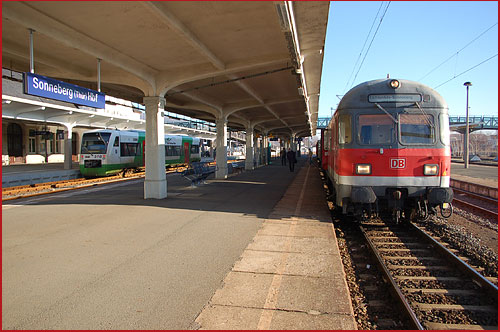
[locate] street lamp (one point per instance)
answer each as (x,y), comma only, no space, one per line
(466,137)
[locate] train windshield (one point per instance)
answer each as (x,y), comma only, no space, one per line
(416,128)
(375,129)
(95,142)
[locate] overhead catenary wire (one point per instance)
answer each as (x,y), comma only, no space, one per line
(371,42)
(451,79)
(456,53)
(361,51)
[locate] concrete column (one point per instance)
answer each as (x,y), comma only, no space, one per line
(68,134)
(155,183)
(221,152)
(249,149)
(261,150)
(267,150)
(256,150)
(264,149)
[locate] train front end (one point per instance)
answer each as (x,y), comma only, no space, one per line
(391,151)
(94,154)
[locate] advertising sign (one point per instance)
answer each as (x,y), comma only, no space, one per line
(41,86)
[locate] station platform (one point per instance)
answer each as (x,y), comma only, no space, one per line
(26,174)
(105,258)
(478,174)
(291,275)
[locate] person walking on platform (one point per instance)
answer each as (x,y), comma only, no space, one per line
(283,157)
(291,159)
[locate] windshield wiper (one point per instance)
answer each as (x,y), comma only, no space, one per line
(426,116)
(388,114)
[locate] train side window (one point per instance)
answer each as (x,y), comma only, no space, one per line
(444,125)
(327,139)
(130,149)
(117,141)
(195,149)
(172,150)
(344,133)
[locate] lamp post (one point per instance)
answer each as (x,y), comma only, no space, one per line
(466,136)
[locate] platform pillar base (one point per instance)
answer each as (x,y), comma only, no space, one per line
(155,189)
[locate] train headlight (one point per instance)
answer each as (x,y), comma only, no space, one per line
(394,84)
(431,169)
(363,169)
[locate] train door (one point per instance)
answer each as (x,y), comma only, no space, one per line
(324,152)
(186,152)
(114,150)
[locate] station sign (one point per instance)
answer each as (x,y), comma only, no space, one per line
(42,132)
(41,86)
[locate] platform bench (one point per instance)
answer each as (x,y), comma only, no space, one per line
(197,172)
(236,167)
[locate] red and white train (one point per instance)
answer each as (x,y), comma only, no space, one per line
(387,149)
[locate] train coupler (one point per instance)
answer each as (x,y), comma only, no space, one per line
(446,210)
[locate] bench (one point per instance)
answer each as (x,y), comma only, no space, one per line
(197,172)
(235,167)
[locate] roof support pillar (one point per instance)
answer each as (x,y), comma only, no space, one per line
(293,145)
(68,154)
(221,151)
(98,74)
(32,60)
(265,145)
(155,183)
(249,148)
(256,151)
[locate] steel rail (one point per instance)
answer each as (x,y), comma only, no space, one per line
(476,196)
(455,260)
(73,184)
(487,287)
(405,306)
(476,208)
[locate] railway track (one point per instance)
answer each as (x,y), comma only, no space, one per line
(477,203)
(12,193)
(435,288)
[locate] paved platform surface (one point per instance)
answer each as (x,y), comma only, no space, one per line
(290,276)
(480,174)
(105,258)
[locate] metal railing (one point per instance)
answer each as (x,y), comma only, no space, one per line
(483,122)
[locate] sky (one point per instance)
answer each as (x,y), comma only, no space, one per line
(413,39)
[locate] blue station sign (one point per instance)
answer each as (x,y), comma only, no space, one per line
(41,86)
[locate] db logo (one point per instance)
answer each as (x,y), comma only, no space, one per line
(398,163)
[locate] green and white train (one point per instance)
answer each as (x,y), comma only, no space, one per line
(108,152)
